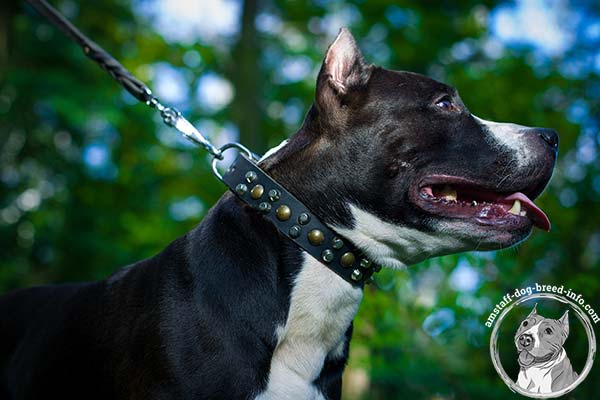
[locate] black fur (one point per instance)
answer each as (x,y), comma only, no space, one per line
(198,320)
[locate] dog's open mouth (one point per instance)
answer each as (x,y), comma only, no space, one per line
(459,198)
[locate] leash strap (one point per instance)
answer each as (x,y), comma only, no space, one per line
(296,222)
(95,52)
(170,115)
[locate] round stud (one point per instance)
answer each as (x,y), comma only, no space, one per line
(251,176)
(283,212)
(303,219)
(316,237)
(274,195)
(356,275)
(264,207)
(337,243)
(365,263)
(241,189)
(327,255)
(294,231)
(257,191)
(347,259)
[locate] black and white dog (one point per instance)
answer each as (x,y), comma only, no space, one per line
(392,161)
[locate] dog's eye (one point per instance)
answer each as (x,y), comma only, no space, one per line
(525,323)
(445,103)
(549,331)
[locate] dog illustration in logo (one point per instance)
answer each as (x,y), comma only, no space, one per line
(545,367)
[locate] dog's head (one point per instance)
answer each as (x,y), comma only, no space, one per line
(539,339)
(395,162)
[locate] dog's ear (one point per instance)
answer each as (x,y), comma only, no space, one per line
(344,70)
(564,321)
(533,312)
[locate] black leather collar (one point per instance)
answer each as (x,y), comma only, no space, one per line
(296,222)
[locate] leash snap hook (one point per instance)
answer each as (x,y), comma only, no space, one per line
(219,156)
(174,119)
(170,116)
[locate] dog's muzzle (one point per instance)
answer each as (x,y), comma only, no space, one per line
(526,341)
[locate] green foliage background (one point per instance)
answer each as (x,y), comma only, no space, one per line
(417,335)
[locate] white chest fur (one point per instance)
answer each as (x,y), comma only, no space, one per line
(395,246)
(538,379)
(322,306)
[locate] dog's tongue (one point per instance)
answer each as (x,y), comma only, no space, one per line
(539,218)
(525,358)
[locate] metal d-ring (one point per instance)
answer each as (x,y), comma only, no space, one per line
(219,156)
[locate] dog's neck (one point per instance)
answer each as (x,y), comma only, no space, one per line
(312,170)
(245,240)
(311,307)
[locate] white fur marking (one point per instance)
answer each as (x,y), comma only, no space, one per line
(509,137)
(534,331)
(338,351)
(274,150)
(322,306)
(538,379)
(396,246)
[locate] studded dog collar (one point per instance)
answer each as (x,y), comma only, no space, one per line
(296,222)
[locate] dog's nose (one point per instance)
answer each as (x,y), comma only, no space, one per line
(526,340)
(549,136)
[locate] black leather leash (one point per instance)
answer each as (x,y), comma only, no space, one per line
(251,184)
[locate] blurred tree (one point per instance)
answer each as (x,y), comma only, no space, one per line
(90,180)
(246,76)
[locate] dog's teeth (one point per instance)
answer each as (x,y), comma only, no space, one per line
(449,194)
(516,208)
(474,203)
(523,213)
(427,192)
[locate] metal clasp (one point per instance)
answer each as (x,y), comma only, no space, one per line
(222,149)
(173,118)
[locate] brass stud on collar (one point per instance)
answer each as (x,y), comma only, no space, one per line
(241,189)
(356,275)
(264,207)
(274,195)
(283,212)
(251,176)
(257,191)
(365,263)
(294,231)
(347,259)
(303,219)
(337,243)
(316,237)
(327,255)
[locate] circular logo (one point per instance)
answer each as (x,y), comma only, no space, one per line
(543,346)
